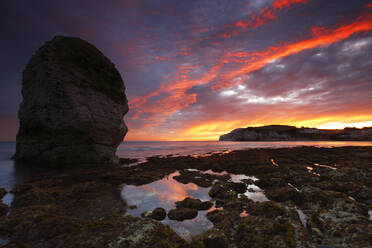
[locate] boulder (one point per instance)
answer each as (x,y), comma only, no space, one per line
(73,106)
(156,214)
(194,204)
(181,214)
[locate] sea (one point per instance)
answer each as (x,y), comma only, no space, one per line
(10,175)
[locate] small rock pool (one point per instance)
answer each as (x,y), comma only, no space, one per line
(165,192)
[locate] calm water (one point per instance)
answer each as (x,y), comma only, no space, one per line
(140,149)
(10,174)
(165,192)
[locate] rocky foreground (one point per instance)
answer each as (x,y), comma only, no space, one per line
(80,207)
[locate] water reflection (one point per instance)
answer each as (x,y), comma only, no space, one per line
(255,193)
(311,171)
(164,193)
(325,166)
(273,162)
(302,216)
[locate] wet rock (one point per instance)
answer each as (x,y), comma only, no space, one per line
(283,194)
(273,182)
(82,199)
(146,233)
(267,209)
(159,214)
(48,226)
(227,189)
(219,203)
(211,239)
(3,209)
(73,106)
(218,216)
(364,195)
(2,193)
(199,178)
(21,188)
(125,161)
(194,204)
(317,232)
(156,214)
(237,204)
(181,214)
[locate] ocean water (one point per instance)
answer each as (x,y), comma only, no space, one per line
(11,174)
(141,149)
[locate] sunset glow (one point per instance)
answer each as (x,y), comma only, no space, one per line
(196,70)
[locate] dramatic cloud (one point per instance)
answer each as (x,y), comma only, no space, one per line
(196,69)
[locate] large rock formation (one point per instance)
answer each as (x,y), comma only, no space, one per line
(73,106)
(290,133)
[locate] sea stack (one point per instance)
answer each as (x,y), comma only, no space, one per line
(73,106)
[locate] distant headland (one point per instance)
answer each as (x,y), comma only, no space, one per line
(291,133)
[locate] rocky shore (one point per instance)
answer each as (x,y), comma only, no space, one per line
(316,197)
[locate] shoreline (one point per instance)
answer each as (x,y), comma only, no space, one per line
(89,209)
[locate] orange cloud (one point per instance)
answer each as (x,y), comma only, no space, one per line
(176,89)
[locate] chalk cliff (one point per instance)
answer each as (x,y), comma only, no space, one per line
(73,105)
(290,133)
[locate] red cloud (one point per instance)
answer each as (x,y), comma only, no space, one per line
(265,15)
(279,4)
(177,88)
(321,37)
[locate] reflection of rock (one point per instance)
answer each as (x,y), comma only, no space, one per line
(73,106)
(181,214)
(194,204)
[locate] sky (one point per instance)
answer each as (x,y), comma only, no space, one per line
(194,69)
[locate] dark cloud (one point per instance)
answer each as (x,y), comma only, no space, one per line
(182,61)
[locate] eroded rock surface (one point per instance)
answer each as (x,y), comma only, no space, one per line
(73,106)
